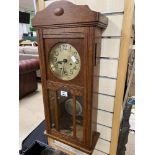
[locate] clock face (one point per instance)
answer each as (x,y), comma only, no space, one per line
(64,61)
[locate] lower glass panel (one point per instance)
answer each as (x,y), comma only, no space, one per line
(61,113)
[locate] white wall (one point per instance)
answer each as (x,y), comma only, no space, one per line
(23,28)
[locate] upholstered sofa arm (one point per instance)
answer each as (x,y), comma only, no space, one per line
(28,65)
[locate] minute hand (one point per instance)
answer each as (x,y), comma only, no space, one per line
(64,61)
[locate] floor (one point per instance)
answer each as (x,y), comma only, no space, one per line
(31,114)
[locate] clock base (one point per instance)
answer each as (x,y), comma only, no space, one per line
(70,148)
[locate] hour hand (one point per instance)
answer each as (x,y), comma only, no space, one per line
(63,61)
(59,62)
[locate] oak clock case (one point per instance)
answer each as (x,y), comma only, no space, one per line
(69,44)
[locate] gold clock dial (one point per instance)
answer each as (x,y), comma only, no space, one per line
(64,61)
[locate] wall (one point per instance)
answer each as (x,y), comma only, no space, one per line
(114,10)
(22,29)
(25,28)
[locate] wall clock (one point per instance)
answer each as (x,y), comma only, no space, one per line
(69,38)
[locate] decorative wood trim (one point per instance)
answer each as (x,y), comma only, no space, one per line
(78,91)
(40,5)
(68,16)
(121,74)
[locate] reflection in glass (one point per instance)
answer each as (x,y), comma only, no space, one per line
(61,113)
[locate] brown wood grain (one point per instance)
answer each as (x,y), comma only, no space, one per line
(60,23)
(73,15)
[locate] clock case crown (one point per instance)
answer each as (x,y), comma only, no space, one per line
(65,22)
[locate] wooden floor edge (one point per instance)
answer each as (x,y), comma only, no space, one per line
(121,73)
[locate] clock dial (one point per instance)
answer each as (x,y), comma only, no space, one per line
(64,61)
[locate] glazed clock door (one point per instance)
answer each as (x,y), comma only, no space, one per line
(65,59)
(66,113)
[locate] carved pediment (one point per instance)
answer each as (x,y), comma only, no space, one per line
(64,13)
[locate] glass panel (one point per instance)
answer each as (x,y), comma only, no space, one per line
(61,113)
(65,112)
(79,117)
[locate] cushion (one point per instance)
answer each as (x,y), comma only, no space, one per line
(21,50)
(30,50)
(28,65)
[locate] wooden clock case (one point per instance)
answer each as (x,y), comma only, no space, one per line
(65,22)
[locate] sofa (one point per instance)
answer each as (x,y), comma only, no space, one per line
(29,52)
(27,76)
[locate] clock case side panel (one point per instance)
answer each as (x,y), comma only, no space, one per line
(94,49)
(96,70)
(43,77)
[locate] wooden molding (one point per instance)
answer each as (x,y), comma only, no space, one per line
(121,74)
(64,14)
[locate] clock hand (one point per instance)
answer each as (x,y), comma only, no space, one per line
(64,61)
(61,71)
(63,66)
(59,62)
